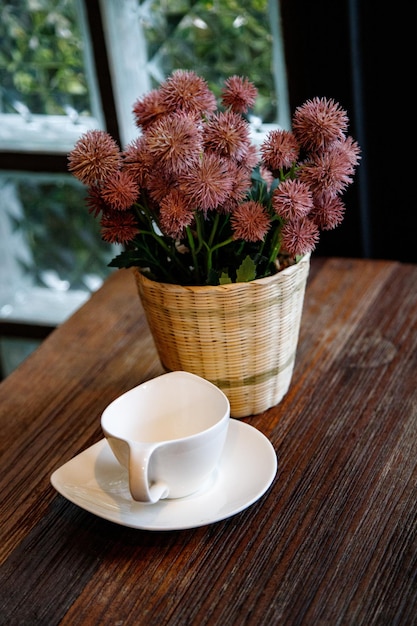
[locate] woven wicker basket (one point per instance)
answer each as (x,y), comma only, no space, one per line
(242,336)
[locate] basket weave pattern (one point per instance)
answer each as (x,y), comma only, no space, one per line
(242,337)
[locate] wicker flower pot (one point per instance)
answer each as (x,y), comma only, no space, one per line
(242,337)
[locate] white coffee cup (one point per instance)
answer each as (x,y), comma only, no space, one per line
(169,433)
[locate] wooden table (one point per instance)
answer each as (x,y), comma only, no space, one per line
(334,539)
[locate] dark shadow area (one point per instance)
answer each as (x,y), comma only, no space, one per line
(364,57)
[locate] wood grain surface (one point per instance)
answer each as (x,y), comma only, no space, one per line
(332,542)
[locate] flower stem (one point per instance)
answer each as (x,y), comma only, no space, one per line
(213,249)
(200,234)
(194,253)
(275,246)
(213,230)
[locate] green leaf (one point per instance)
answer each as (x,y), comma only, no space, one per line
(124,259)
(225,279)
(246,271)
(256,175)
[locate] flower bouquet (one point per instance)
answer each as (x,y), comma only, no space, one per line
(217,231)
(194,202)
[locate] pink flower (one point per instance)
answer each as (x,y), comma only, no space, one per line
(94,201)
(319,122)
(241,183)
(292,199)
(175,214)
(118,227)
(174,142)
(148,109)
(186,91)
(328,212)
(299,236)
(159,183)
(228,134)
(328,172)
(136,161)
(120,191)
(250,221)
(279,150)
(239,94)
(94,157)
(349,148)
(208,183)
(251,158)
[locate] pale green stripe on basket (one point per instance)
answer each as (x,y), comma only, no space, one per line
(254,379)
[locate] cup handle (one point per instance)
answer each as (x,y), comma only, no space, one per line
(141,491)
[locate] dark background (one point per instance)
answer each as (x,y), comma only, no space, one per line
(364,56)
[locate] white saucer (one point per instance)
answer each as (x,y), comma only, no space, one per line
(96,482)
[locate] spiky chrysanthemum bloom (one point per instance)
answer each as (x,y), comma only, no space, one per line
(350,150)
(279,150)
(159,182)
(250,221)
(328,172)
(148,109)
(328,212)
(300,236)
(174,142)
(94,157)
(319,122)
(175,214)
(239,94)
(94,201)
(120,191)
(292,199)
(136,160)
(251,158)
(185,91)
(118,227)
(208,183)
(227,134)
(241,183)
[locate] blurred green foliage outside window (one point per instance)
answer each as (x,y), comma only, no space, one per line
(42,64)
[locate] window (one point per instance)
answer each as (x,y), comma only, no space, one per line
(48,87)
(70,65)
(149,39)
